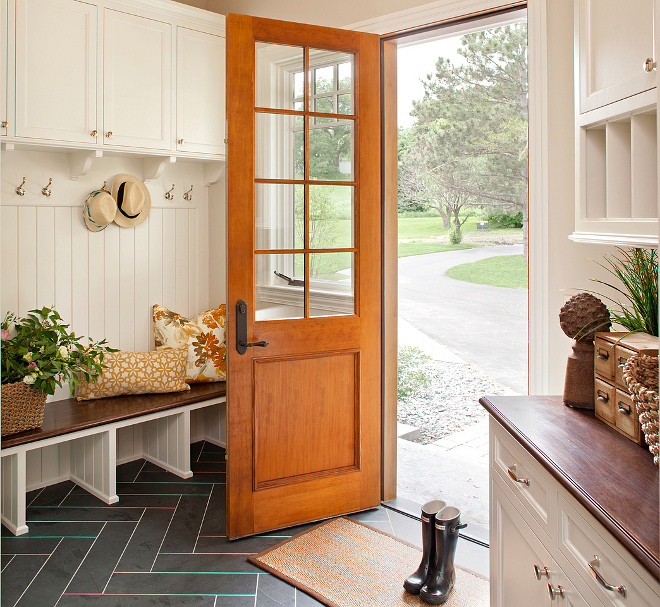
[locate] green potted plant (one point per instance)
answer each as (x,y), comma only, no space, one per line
(39,354)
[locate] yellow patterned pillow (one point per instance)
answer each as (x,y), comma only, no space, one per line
(204,337)
(138,373)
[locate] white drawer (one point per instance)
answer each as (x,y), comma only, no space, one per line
(580,540)
(533,487)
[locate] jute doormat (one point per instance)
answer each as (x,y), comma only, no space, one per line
(344,563)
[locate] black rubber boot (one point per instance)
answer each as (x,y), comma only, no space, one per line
(414,583)
(439,584)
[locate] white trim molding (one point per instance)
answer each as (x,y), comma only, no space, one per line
(619,240)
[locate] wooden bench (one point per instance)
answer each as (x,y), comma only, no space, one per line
(87,435)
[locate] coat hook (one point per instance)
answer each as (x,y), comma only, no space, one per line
(46,190)
(188,195)
(20,190)
(169,195)
(104,186)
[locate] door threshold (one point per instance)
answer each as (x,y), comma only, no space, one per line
(473,533)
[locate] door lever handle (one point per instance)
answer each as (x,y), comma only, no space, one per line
(241,330)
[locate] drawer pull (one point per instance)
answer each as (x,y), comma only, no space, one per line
(622,361)
(624,408)
(599,578)
(603,396)
(555,592)
(539,572)
(512,473)
(603,354)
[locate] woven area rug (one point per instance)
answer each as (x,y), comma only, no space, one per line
(344,563)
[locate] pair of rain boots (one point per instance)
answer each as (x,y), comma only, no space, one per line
(436,575)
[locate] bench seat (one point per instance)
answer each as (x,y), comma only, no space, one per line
(85,436)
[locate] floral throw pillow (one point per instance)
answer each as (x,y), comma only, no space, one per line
(204,337)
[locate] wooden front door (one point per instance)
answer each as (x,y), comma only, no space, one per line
(303,165)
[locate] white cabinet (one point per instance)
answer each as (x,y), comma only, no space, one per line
(4,116)
(56,70)
(200,92)
(137,81)
(615,39)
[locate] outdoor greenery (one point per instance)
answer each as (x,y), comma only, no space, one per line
(637,271)
(408,249)
(39,351)
(468,145)
(411,376)
(502,271)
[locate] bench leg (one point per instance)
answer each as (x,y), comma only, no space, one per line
(94,465)
(13,493)
(166,443)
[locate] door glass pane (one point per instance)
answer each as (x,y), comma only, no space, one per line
(279,216)
(279,147)
(331,152)
(278,75)
(332,288)
(325,105)
(279,286)
(331,216)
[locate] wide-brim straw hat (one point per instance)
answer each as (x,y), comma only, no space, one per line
(99,210)
(133,200)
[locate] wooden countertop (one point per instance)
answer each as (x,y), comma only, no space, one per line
(69,415)
(612,477)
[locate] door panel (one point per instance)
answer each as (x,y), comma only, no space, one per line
(303,166)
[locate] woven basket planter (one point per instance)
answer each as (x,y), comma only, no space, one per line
(641,376)
(22,408)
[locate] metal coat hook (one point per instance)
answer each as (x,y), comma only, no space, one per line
(169,195)
(188,195)
(20,190)
(46,190)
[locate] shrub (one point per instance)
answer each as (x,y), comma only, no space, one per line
(412,378)
(455,236)
(504,220)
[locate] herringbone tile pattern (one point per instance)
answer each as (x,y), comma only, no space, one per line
(163,544)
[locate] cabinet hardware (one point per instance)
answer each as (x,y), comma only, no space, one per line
(20,190)
(46,189)
(622,361)
(650,65)
(603,354)
(5,124)
(512,473)
(109,134)
(539,572)
(182,142)
(241,330)
(94,133)
(603,397)
(601,580)
(188,195)
(169,195)
(624,408)
(555,592)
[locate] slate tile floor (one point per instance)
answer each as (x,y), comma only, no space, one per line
(162,544)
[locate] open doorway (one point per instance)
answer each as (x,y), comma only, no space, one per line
(462,252)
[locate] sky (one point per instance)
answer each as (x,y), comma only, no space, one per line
(413,64)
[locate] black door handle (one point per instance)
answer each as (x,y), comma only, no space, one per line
(241,330)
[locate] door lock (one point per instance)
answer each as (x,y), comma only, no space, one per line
(241,330)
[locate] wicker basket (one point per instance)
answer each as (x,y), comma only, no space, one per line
(22,408)
(641,376)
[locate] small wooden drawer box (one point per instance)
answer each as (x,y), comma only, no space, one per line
(613,404)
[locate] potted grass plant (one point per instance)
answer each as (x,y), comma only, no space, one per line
(39,354)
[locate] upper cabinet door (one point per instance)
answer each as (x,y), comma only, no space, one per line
(56,70)
(200,92)
(615,40)
(137,81)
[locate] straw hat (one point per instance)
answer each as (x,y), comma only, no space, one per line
(133,200)
(99,210)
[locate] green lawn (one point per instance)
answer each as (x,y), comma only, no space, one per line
(503,271)
(407,249)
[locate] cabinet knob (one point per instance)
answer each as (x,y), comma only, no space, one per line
(539,572)
(182,142)
(109,134)
(94,133)
(5,124)
(555,592)
(650,65)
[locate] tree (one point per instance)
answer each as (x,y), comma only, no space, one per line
(468,144)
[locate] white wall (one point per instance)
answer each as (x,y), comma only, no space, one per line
(104,283)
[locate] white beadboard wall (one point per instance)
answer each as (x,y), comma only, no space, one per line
(104,283)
